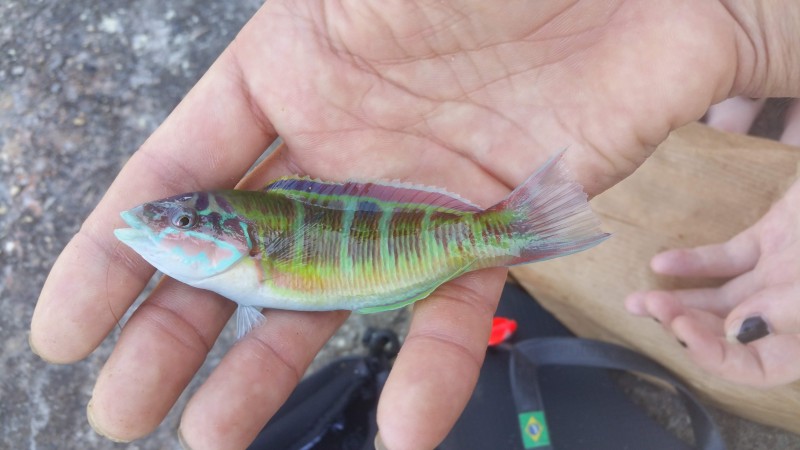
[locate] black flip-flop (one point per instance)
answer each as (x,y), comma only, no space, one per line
(546,389)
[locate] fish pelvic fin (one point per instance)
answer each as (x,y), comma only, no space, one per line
(549,215)
(247,318)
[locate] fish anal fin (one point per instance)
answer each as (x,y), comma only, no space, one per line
(392,306)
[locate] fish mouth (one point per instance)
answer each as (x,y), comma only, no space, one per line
(137,235)
(140,238)
(131,235)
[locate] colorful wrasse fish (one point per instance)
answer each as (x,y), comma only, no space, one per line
(305,244)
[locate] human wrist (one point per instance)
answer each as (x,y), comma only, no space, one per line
(768,46)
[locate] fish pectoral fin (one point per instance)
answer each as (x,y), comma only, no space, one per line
(247,318)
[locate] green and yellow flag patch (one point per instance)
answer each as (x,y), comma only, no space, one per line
(533,428)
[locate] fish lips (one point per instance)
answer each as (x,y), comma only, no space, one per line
(136,236)
(140,238)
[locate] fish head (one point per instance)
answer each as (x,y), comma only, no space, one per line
(188,237)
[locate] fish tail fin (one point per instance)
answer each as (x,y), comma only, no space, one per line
(550,216)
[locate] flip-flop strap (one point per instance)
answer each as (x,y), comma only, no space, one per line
(527,356)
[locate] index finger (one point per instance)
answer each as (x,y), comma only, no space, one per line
(209,141)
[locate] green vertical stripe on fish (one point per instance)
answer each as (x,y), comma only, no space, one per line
(306,244)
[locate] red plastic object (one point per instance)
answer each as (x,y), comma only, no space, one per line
(502,330)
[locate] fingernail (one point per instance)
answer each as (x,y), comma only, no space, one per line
(97,429)
(379,443)
(33,347)
(752,328)
(182,440)
(36,352)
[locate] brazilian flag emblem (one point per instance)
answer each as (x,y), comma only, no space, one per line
(533,429)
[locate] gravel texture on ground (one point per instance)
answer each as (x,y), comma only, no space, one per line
(82,85)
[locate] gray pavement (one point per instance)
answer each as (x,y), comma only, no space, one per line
(82,84)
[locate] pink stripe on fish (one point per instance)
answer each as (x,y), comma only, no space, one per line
(308,190)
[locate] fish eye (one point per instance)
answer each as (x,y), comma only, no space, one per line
(184,218)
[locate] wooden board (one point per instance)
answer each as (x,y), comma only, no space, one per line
(701,186)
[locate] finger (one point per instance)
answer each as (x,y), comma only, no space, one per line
(660,305)
(710,322)
(635,303)
(437,368)
(778,309)
(205,143)
(719,301)
(255,378)
(768,362)
(162,346)
(160,349)
(731,258)
(666,306)
(791,130)
(735,115)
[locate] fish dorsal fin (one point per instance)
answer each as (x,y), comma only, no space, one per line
(394,193)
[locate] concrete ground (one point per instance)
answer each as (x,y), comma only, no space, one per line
(82,84)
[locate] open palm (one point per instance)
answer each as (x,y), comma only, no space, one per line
(761,264)
(470,96)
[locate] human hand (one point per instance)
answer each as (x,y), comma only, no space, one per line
(471,97)
(737,114)
(764,281)
(764,286)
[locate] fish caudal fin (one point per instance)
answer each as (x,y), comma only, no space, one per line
(551,216)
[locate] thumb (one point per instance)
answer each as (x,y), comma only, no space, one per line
(791,129)
(774,310)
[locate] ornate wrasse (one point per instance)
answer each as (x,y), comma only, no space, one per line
(306,244)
